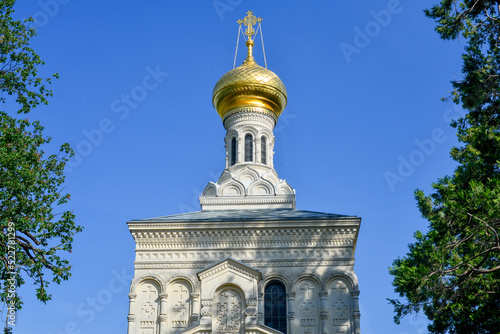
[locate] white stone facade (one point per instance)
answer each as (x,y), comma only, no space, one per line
(190,273)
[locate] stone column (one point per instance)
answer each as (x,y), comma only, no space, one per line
(206,313)
(240,150)
(260,315)
(270,150)
(323,311)
(291,311)
(227,146)
(131,313)
(257,143)
(251,313)
(356,315)
(163,313)
(195,317)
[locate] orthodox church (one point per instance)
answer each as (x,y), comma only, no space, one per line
(249,261)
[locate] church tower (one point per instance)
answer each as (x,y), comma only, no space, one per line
(249,261)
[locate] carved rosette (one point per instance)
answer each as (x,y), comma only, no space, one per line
(251,311)
(206,309)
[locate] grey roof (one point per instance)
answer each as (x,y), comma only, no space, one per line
(245,215)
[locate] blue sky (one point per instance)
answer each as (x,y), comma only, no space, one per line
(364,127)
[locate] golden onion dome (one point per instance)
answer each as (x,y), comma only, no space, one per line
(249,86)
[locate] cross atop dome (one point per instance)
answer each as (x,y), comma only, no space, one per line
(249,21)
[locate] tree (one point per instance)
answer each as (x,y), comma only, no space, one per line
(33,234)
(452,272)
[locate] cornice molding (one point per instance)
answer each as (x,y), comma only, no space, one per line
(257,265)
(256,116)
(244,234)
(344,222)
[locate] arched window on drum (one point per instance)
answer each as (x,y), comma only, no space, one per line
(248,148)
(263,150)
(234,152)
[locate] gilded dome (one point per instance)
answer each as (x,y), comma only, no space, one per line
(249,86)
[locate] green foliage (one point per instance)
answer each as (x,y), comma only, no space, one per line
(18,74)
(452,273)
(32,234)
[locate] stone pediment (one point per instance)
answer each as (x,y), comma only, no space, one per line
(231,272)
(231,265)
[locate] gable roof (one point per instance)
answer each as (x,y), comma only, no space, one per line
(245,215)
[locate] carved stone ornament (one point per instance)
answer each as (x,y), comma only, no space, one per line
(228,313)
(251,311)
(252,302)
(131,318)
(206,311)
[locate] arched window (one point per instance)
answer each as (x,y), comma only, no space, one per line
(275,306)
(248,148)
(234,151)
(263,150)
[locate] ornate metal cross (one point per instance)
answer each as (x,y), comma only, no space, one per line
(249,21)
